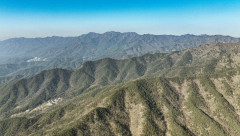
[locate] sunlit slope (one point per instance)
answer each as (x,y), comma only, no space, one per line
(194,106)
(56,83)
(205,105)
(192,92)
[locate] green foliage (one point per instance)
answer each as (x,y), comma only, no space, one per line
(145,90)
(223,108)
(200,119)
(194,97)
(228,88)
(118,101)
(166,62)
(186,59)
(177,80)
(95,98)
(210,66)
(14,125)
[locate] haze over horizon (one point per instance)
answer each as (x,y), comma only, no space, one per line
(119,32)
(42,18)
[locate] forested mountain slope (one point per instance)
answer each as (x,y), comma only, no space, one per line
(110,44)
(28,56)
(190,92)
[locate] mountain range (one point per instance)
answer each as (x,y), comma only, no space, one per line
(21,57)
(187,92)
(96,46)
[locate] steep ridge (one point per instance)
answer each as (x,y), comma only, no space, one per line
(194,96)
(206,59)
(165,106)
(30,92)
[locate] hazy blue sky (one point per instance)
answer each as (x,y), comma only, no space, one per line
(41,18)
